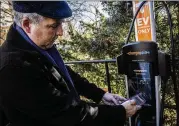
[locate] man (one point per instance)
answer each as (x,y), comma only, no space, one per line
(36,89)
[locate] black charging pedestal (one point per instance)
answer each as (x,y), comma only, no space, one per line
(139,62)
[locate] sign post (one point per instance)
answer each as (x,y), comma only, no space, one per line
(145,23)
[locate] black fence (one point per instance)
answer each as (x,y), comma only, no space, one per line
(105,62)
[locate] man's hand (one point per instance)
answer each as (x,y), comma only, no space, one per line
(130,107)
(112,99)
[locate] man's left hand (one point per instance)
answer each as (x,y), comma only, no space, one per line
(113,99)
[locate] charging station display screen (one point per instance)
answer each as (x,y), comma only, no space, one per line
(140,82)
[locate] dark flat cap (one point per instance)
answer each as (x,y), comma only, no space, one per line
(51,9)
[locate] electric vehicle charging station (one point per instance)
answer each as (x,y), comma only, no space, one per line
(143,66)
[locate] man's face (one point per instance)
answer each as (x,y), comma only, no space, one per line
(46,32)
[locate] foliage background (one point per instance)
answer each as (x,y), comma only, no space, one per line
(98,30)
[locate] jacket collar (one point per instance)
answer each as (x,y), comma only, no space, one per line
(17,41)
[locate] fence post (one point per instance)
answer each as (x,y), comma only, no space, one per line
(107,77)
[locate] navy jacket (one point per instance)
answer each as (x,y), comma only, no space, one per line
(30,93)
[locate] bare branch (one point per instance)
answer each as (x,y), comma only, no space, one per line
(6,12)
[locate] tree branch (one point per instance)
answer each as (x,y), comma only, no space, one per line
(3,9)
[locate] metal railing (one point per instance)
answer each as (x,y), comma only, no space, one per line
(106,62)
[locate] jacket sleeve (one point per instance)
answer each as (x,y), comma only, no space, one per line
(85,88)
(27,90)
